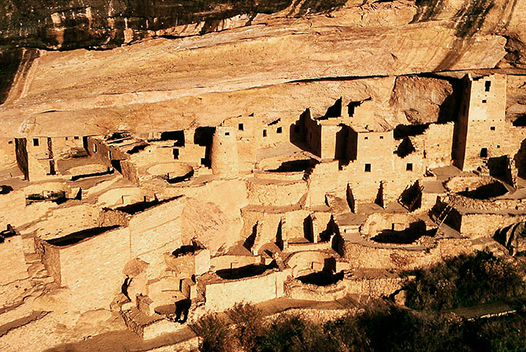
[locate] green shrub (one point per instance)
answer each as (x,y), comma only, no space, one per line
(292,333)
(385,327)
(464,281)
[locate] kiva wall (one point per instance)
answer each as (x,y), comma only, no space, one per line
(93,269)
(223,295)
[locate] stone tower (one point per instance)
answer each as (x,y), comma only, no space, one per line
(480,130)
(224,155)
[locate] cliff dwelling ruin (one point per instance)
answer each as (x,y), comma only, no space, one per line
(165,226)
(148,196)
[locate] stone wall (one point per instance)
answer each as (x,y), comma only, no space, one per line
(325,178)
(370,287)
(7,152)
(224,155)
(13,265)
(93,269)
(223,295)
(360,256)
(435,144)
(275,192)
(482,130)
(50,258)
(156,231)
(485,225)
(62,146)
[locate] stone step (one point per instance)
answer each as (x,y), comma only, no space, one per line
(35,268)
(40,274)
(32,258)
(44,280)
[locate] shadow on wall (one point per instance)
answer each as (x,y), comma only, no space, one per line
(520,158)
(203,137)
(499,167)
(407,236)
(10,62)
(245,271)
(487,191)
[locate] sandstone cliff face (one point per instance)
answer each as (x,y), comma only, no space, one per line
(293,51)
(61,24)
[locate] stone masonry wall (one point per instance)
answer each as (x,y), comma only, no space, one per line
(360,256)
(223,295)
(93,269)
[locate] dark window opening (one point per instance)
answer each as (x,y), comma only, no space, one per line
(76,137)
(175,153)
(498,146)
(241,127)
(484,101)
(367,167)
(279,130)
(206,162)
(487,86)
(177,136)
(10,142)
(66,138)
(520,121)
(203,136)
(227,133)
(484,153)
(264,133)
(381,137)
(365,137)
(409,167)
(36,142)
(492,128)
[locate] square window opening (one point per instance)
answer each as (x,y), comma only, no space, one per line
(409,167)
(484,101)
(227,133)
(367,167)
(365,137)
(381,137)
(36,142)
(241,127)
(279,130)
(175,153)
(484,153)
(492,128)
(76,137)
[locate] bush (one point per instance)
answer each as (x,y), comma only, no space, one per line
(292,333)
(464,281)
(215,334)
(248,324)
(385,327)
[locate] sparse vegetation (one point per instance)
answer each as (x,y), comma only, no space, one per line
(458,282)
(382,327)
(215,333)
(464,281)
